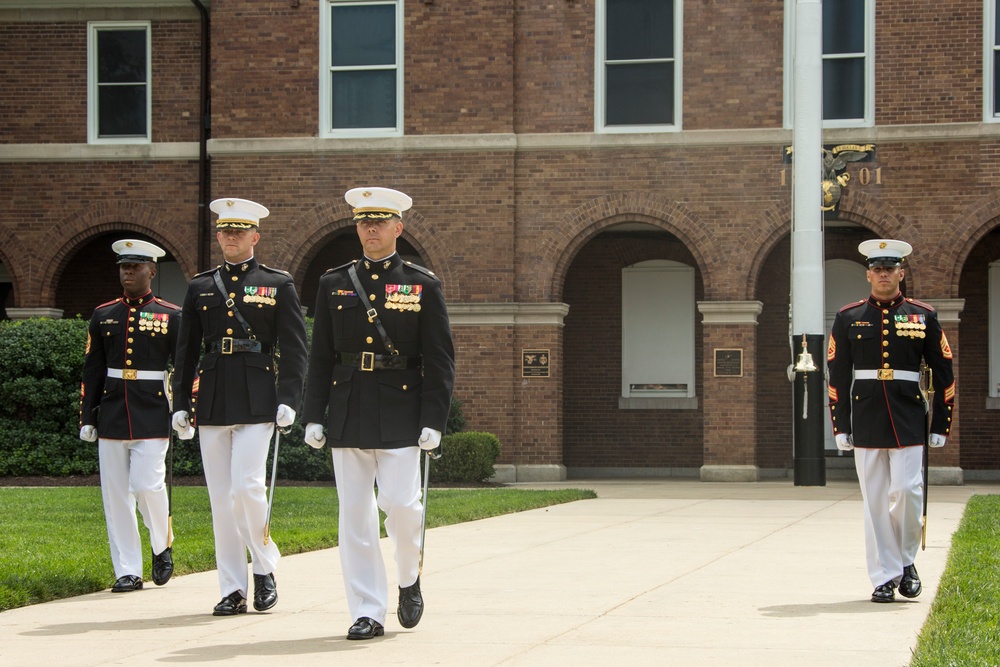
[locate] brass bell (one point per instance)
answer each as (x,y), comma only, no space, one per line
(805,364)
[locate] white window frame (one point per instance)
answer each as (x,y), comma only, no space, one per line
(675,356)
(990,45)
(326,69)
(93,110)
(600,83)
(789,88)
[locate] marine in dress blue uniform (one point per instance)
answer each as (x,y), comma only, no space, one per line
(381,398)
(237,392)
(124,406)
(874,357)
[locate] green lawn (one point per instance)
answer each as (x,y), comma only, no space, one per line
(963,628)
(54,543)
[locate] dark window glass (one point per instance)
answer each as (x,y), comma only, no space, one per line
(843,26)
(364,99)
(122,111)
(843,88)
(121,56)
(121,83)
(640,29)
(996,26)
(640,94)
(363,35)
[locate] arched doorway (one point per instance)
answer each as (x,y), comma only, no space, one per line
(650,424)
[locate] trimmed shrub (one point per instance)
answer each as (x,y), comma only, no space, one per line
(456,420)
(40,364)
(466,457)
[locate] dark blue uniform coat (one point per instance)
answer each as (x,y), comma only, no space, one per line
(895,334)
(241,387)
(382,408)
(128,334)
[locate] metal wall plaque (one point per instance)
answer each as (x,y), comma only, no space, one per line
(729,362)
(535,363)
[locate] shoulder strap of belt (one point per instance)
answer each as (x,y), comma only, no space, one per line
(232,306)
(372,314)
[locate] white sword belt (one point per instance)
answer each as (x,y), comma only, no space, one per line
(887,374)
(132,374)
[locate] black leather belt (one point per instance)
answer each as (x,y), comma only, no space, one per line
(230,345)
(369,361)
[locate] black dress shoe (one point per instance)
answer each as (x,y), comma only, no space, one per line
(884,593)
(910,586)
(232,604)
(365,628)
(411,605)
(163,566)
(265,592)
(127,583)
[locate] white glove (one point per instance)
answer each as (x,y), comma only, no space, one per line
(937,440)
(187,433)
(89,433)
(180,421)
(429,439)
(314,436)
(845,442)
(285,416)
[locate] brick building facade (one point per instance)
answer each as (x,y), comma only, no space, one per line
(530,208)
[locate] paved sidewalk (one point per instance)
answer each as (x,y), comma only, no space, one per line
(666,572)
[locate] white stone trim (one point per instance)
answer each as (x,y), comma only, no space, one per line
(507,314)
(25,313)
(730,312)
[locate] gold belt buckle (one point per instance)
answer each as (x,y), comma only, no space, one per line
(227,346)
(367,361)
(129,374)
(885,374)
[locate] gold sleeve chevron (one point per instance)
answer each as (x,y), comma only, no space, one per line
(833,394)
(945,348)
(949,393)
(831,349)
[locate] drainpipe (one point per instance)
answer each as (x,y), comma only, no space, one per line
(204,132)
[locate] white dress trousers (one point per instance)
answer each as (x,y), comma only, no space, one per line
(132,472)
(235,461)
(892,487)
(397,474)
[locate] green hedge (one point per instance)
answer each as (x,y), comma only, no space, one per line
(466,457)
(41,363)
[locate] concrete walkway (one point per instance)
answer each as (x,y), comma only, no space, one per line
(665,572)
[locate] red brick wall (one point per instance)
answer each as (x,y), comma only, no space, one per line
(265,69)
(733,67)
(912,85)
(45,89)
(486,377)
(729,434)
(459,67)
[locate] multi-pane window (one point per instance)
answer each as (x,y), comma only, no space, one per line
(638,65)
(361,88)
(847,63)
(118,82)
